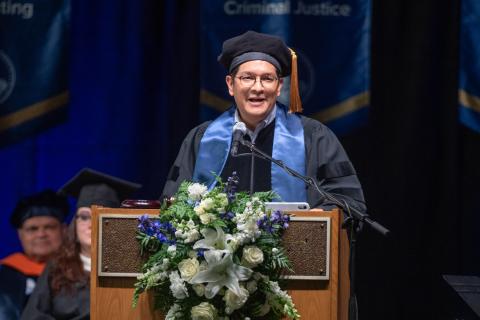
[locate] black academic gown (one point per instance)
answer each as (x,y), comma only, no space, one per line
(326,160)
(42,305)
(12,292)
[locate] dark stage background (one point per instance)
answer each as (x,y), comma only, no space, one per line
(418,165)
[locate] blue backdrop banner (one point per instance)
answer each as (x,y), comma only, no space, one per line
(122,94)
(33,66)
(469,77)
(331,39)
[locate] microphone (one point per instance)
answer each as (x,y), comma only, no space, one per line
(239,130)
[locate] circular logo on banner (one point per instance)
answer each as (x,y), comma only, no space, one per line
(7,76)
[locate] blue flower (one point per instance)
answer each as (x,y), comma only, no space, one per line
(200,252)
(164,232)
(274,222)
(231,187)
(227,215)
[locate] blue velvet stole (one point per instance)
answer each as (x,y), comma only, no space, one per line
(288,146)
(214,149)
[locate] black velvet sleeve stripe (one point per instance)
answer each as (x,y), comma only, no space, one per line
(335,170)
(174,173)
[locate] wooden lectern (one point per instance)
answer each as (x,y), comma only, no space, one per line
(322,296)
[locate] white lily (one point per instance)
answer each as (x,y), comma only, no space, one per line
(221,272)
(213,239)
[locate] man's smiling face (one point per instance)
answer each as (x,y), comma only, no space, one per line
(254,102)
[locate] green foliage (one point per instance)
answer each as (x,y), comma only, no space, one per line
(185,221)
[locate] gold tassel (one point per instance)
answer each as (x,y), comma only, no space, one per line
(295,102)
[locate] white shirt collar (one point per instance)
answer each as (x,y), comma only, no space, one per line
(87,262)
(265,122)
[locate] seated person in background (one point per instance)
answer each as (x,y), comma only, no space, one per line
(39,222)
(256,65)
(63,290)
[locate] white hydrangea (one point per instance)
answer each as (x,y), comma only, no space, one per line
(196,191)
(177,286)
(247,221)
(187,231)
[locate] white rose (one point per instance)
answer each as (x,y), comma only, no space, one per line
(199,210)
(252,256)
(204,311)
(207,204)
(196,191)
(199,289)
(223,199)
(192,235)
(188,268)
(204,218)
(233,301)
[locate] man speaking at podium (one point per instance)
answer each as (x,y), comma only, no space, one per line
(256,65)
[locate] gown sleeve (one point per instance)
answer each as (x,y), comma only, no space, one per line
(328,162)
(39,304)
(184,165)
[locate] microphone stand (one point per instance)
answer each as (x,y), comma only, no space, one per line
(252,172)
(252,167)
(354,218)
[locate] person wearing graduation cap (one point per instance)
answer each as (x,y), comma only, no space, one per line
(257,64)
(63,290)
(38,219)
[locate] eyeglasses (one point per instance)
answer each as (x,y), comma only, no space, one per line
(267,81)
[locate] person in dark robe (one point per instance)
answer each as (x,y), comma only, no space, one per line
(38,219)
(63,290)
(257,64)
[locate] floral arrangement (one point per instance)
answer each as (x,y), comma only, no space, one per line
(215,255)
